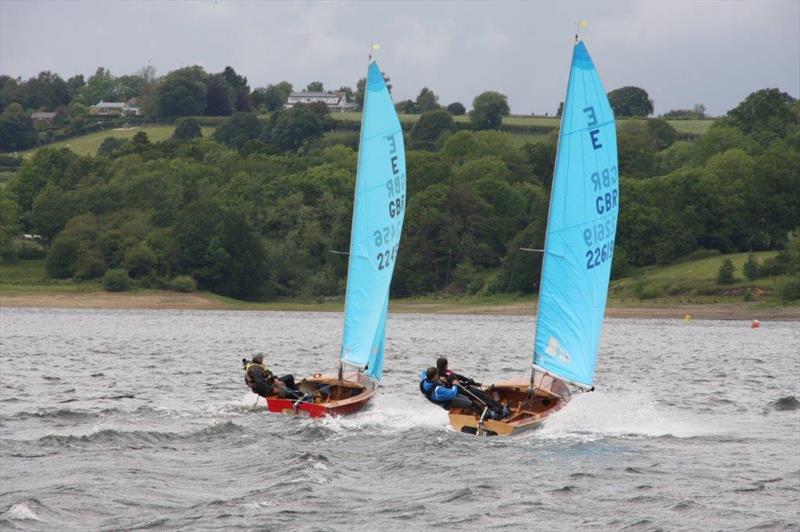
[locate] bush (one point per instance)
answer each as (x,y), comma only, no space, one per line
(89,265)
(770,267)
(649,289)
(725,275)
(183,283)
(790,290)
(699,254)
(27,249)
(187,128)
(140,260)
(750,268)
(60,263)
(116,280)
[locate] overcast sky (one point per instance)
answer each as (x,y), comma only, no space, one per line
(682,53)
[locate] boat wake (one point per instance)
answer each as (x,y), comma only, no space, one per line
(389,414)
(598,415)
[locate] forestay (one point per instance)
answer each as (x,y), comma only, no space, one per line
(581,228)
(378,212)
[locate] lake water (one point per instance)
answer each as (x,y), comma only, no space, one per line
(134,419)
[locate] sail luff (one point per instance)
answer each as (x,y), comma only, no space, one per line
(355,202)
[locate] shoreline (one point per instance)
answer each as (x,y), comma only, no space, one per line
(199,301)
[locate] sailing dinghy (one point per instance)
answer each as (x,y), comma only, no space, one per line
(378,213)
(579,246)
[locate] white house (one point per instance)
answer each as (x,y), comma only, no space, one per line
(131,107)
(336,101)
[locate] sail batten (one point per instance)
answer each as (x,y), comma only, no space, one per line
(581,229)
(378,213)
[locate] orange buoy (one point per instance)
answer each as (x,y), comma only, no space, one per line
(755,324)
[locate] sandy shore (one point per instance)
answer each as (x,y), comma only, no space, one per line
(174,300)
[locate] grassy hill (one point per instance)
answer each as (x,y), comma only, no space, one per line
(695,281)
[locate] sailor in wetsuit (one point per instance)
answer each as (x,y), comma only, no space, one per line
(264,383)
(437,393)
(470,388)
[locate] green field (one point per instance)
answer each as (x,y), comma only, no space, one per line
(88,144)
(695,282)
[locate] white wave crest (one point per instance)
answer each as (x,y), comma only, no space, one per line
(596,415)
(21,512)
(390,413)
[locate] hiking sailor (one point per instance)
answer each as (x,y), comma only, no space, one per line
(438,393)
(264,383)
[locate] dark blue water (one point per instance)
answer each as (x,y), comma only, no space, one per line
(133,419)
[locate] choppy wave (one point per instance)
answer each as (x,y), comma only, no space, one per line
(140,438)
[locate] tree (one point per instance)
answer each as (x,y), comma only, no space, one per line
(429,128)
(182,93)
(110,145)
(725,274)
(16,130)
(427,100)
(101,86)
(220,249)
(52,209)
(488,110)
(750,268)
(560,109)
(186,129)
(8,91)
(636,149)
(315,86)
(220,96)
(295,126)
(9,226)
(45,91)
(238,129)
(242,101)
(272,97)
(407,106)
(698,112)
(663,134)
(764,114)
(456,109)
(630,101)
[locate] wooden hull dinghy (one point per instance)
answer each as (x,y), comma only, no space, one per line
(378,213)
(578,251)
(528,410)
(327,395)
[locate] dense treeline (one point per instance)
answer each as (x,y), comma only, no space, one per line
(255,211)
(192,91)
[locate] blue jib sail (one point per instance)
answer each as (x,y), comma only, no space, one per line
(378,212)
(581,227)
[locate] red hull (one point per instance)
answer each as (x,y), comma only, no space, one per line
(363,389)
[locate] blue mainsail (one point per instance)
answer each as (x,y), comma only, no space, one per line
(581,227)
(378,212)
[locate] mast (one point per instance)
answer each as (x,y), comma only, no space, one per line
(532,386)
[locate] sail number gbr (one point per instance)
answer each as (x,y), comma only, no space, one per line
(395,188)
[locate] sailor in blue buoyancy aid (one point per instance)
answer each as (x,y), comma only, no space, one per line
(437,393)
